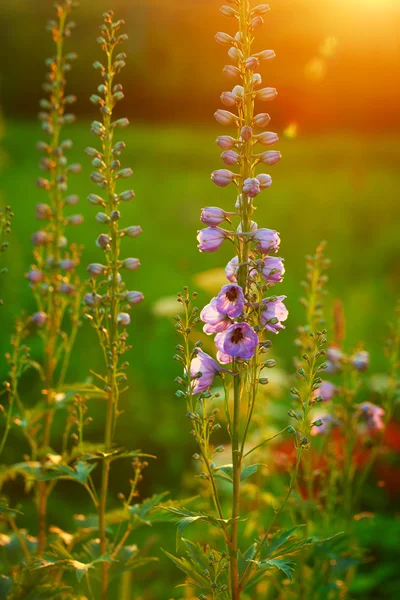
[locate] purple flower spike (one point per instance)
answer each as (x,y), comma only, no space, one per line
(238,341)
(215,322)
(275,311)
(208,367)
(231,269)
(373,416)
(272,269)
(212,216)
(211,238)
(251,187)
(266,240)
(326,391)
(230,300)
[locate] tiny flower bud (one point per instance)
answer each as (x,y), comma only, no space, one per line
(102,218)
(43,212)
(261,9)
(131,264)
(224,117)
(103,241)
(226,142)
(43,184)
(96,269)
(67,289)
(124,173)
(251,63)
(228,99)
(40,238)
(246,133)
(257,22)
(265,181)
(134,297)
(270,157)
(222,177)
(266,55)
(212,216)
(267,94)
(126,196)
(267,138)
(35,276)
(71,200)
(262,120)
(75,219)
(92,299)
(39,318)
(224,39)
(123,319)
(132,231)
(231,71)
(228,11)
(67,264)
(251,187)
(230,157)
(121,123)
(95,200)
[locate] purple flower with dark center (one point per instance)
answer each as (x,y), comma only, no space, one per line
(207,367)
(360,360)
(274,313)
(238,341)
(266,240)
(373,416)
(272,269)
(232,268)
(215,322)
(211,238)
(251,187)
(326,391)
(230,300)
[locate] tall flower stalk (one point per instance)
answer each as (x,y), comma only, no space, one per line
(243,315)
(52,278)
(109,300)
(6,215)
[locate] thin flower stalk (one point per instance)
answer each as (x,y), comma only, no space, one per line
(52,277)
(109,301)
(6,215)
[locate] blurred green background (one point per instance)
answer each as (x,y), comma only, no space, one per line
(337,115)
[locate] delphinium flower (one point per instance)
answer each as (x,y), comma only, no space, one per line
(244,313)
(109,301)
(5,228)
(52,276)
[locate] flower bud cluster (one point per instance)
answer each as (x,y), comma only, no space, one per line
(52,274)
(108,294)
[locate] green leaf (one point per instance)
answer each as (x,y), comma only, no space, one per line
(190,571)
(226,472)
(187,517)
(79,473)
(249,471)
(140,513)
(286,566)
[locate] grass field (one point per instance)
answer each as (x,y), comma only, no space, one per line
(340,188)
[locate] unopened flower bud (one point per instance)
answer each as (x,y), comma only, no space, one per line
(92,299)
(224,117)
(270,363)
(212,216)
(246,133)
(265,181)
(257,22)
(226,142)
(115,215)
(235,54)
(267,138)
(97,177)
(132,231)
(96,269)
(103,241)
(134,297)
(261,9)
(43,212)
(75,219)
(75,168)
(262,120)
(121,123)
(102,218)
(267,94)
(231,71)
(230,157)
(40,238)
(39,318)
(35,276)
(271,157)
(131,264)
(224,39)
(222,177)
(228,11)
(251,63)
(43,184)
(123,319)
(95,200)
(71,200)
(124,173)
(251,187)
(266,55)
(97,128)
(228,99)
(62,242)
(126,196)
(67,264)
(67,289)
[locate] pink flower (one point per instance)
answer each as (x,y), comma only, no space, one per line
(212,216)
(207,367)
(272,269)
(373,416)
(251,187)
(231,269)
(274,314)
(211,238)
(215,321)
